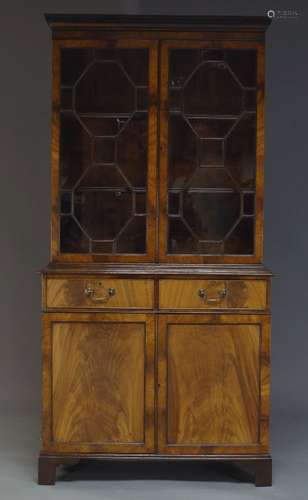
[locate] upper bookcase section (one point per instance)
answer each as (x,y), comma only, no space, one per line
(157,138)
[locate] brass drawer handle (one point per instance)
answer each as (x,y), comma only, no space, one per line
(204,295)
(90,293)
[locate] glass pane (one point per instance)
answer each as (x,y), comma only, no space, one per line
(241,239)
(211,247)
(210,177)
(142,99)
(175,99)
(65,202)
(132,239)
(104,88)
(103,150)
(72,238)
(183,152)
(140,203)
(67,99)
(243,63)
(212,90)
(212,151)
(102,214)
(180,239)
(132,151)
(211,128)
(75,150)
(211,216)
(133,61)
(174,204)
(103,127)
(102,246)
(73,64)
(100,176)
(182,63)
(249,204)
(251,100)
(240,151)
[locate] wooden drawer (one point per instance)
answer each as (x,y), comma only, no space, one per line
(213,294)
(97,293)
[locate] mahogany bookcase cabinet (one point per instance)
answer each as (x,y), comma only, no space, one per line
(156,304)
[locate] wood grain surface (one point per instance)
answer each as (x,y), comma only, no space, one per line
(98,382)
(184,294)
(155,269)
(70,293)
(213,384)
(98,385)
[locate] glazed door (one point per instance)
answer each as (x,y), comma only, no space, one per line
(98,383)
(104,150)
(211,133)
(213,379)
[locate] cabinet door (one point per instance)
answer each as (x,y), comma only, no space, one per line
(98,383)
(104,150)
(213,384)
(211,133)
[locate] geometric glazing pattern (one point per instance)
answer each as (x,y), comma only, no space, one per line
(212,151)
(103,151)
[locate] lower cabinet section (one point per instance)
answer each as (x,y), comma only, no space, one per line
(213,379)
(199,385)
(98,392)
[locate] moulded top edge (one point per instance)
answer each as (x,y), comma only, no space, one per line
(157,22)
(158,269)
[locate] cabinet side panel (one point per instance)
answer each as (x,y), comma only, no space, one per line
(260,154)
(55,148)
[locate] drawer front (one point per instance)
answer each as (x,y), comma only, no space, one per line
(97,293)
(213,294)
